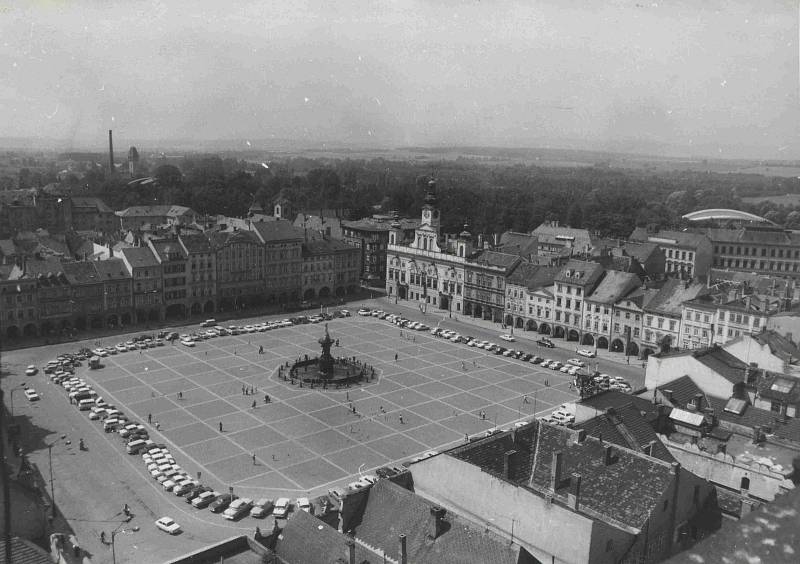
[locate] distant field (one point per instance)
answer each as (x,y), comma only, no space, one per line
(784,200)
(786,171)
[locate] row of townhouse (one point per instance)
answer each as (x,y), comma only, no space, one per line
(767,250)
(613,310)
(581,300)
(174,277)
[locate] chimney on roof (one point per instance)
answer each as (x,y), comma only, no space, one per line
(403,552)
(667,394)
(578,436)
(507,459)
(556,469)
(351,550)
(697,400)
(608,455)
(437,525)
(573,496)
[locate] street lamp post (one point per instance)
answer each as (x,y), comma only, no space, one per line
(52,490)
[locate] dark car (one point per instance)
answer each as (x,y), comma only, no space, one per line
(545,343)
(527,356)
(194,492)
(221,503)
(500,350)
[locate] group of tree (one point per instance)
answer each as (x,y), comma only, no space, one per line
(490,198)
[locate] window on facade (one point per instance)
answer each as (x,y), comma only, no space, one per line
(660,322)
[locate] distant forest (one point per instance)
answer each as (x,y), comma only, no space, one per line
(491,198)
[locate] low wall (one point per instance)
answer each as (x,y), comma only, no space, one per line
(725,470)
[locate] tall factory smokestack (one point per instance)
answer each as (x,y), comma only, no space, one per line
(110,152)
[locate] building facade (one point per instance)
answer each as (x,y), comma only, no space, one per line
(201,273)
(147,283)
(240,269)
(420,270)
(331,268)
(283,260)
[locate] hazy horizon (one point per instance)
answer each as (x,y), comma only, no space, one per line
(716,79)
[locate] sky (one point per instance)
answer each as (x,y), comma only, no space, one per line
(679,78)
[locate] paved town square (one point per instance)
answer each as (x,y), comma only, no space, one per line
(308,440)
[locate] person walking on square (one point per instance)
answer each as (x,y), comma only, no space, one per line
(395,357)
(220,426)
(254,459)
(400,417)
(150,418)
(254,404)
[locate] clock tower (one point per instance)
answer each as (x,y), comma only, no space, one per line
(430,213)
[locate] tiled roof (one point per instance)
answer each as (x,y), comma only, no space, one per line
(221,238)
(196,243)
(779,387)
(763,236)
(548,233)
(771,534)
(307,540)
(371,224)
(681,391)
(144,211)
(617,400)
(111,269)
(522,244)
(779,345)
(494,258)
(326,246)
(45,268)
(624,491)
(641,251)
(392,510)
(273,231)
(533,276)
(81,273)
(588,273)
(24,552)
(139,257)
(723,363)
(165,247)
(761,284)
(670,298)
(614,286)
(688,239)
(626,426)
(90,202)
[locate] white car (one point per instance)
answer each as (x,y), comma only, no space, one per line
(304,504)
(31,394)
(586,352)
(167,525)
(576,362)
(364,313)
(507,337)
(121,348)
(283,504)
(31,370)
(187,343)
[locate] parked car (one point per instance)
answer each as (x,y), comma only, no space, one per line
(31,394)
(261,508)
(576,362)
(31,370)
(238,508)
(204,499)
(587,353)
(507,337)
(196,492)
(282,507)
(167,525)
(304,504)
(221,503)
(365,313)
(544,342)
